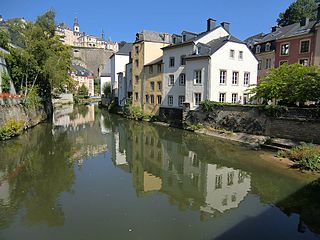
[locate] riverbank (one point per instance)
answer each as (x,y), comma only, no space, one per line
(18,118)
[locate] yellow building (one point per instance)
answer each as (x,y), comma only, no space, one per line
(147,69)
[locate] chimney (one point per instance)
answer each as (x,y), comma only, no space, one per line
(211,24)
(226,26)
(275,28)
(304,22)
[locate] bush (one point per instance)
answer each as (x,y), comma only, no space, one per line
(274,110)
(208,105)
(10,129)
(306,156)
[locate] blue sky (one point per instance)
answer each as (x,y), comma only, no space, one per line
(120,20)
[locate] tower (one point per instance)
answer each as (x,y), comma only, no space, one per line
(102,34)
(76,25)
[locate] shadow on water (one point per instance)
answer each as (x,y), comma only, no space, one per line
(234,192)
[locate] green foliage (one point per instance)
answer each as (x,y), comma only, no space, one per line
(306,156)
(10,129)
(42,60)
(274,110)
(135,112)
(208,105)
(106,89)
(83,90)
(32,98)
(290,84)
(298,10)
(97,86)
(5,82)
(4,39)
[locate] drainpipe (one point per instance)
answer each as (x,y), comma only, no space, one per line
(209,80)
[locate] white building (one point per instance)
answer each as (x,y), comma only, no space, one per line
(105,76)
(211,65)
(118,65)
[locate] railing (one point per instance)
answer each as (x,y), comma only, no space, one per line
(8,99)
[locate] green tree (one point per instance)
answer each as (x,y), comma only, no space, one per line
(97,86)
(83,90)
(43,61)
(4,39)
(290,84)
(298,10)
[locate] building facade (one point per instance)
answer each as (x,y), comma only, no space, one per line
(212,65)
(146,55)
(83,77)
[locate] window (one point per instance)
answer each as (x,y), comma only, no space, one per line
(159,99)
(285,49)
(147,98)
(174,40)
(234,97)
(231,53)
(259,64)
(283,62)
(223,76)
(258,49)
(230,178)
(183,60)
(218,183)
(197,77)
(182,79)
(152,86)
(222,97)
(184,37)
(268,46)
(137,49)
(246,79)
(235,78)
(137,78)
(159,68)
(240,55)
(171,62)
(170,100)
(197,99)
(304,46)
(160,86)
(150,69)
(137,62)
(268,63)
(152,99)
(136,96)
(304,62)
(182,99)
(171,80)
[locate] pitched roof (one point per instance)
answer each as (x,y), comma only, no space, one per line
(289,31)
(125,49)
(81,71)
(156,61)
(151,36)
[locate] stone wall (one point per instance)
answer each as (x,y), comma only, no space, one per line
(91,58)
(173,116)
(30,117)
(296,124)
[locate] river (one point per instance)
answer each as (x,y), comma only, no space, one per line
(93,175)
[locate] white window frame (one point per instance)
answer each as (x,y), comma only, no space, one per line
(171,80)
(170,63)
(223,77)
(197,77)
(288,50)
(258,49)
(304,59)
(234,100)
(246,78)
(181,100)
(197,98)
(222,97)
(268,47)
(170,100)
(235,78)
(182,79)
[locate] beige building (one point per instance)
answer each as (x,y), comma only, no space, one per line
(147,55)
(83,77)
(73,37)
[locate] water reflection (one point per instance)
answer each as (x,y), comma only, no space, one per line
(167,165)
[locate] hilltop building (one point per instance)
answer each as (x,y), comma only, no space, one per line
(73,37)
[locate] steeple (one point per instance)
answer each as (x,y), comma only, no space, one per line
(76,27)
(102,34)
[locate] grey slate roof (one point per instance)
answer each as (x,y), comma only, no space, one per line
(151,36)
(156,61)
(125,50)
(292,30)
(81,71)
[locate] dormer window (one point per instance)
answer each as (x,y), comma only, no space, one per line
(174,40)
(268,46)
(258,49)
(184,37)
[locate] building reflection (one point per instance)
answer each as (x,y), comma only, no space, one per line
(167,165)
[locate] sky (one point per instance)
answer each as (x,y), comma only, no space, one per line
(121,20)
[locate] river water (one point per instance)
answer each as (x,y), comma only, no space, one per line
(92,175)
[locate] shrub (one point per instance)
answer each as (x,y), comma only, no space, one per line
(10,129)
(274,110)
(306,156)
(208,105)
